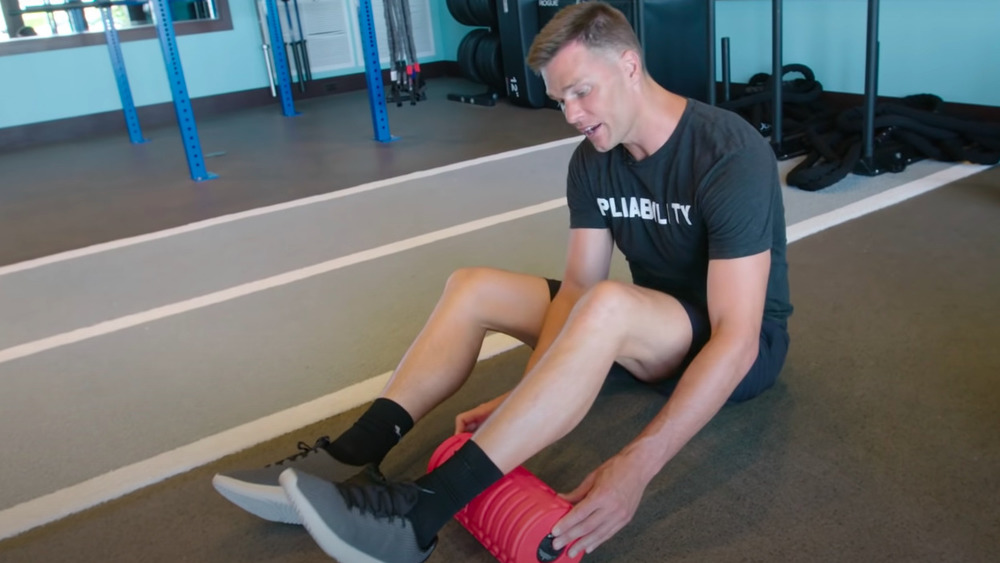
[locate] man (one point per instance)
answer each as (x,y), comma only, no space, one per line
(691,196)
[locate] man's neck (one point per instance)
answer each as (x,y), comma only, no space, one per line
(655,121)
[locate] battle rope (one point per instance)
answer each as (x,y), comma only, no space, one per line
(910,129)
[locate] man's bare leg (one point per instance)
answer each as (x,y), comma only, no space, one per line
(646,331)
(474,301)
(439,361)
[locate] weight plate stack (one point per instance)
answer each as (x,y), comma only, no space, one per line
(490,65)
(467,49)
(474,13)
(480,57)
(459,10)
(484,12)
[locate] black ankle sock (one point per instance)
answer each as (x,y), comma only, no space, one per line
(451,486)
(373,435)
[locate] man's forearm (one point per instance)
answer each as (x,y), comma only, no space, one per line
(555,319)
(701,392)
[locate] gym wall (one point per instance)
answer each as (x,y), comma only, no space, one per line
(927,46)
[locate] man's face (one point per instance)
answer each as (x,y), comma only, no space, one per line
(590,86)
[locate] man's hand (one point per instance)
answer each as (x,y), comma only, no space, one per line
(605,502)
(470,420)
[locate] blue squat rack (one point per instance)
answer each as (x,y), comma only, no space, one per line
(118,65)
(164,22)
(373,73)
(280,60)
(373,69)
(178,89)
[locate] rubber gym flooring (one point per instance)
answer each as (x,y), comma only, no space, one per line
(877,444)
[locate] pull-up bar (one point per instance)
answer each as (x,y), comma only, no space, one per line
(871,88)
(866,163)
(163,20)
(711,52)
(777,75)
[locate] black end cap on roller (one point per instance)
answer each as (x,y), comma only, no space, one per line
(546,552)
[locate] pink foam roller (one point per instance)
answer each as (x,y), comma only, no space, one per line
(514,517)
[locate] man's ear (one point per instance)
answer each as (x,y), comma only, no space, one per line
(632,64)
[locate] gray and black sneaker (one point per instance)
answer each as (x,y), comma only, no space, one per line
(357,523)
(258,491)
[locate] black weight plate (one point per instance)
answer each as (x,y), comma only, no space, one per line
(489,61)
(496,64)
(484,57)
(459,10)
(467,54)
(484,12)
(482,60)
(464,57)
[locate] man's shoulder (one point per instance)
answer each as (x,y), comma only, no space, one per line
(723,126)
(723,137)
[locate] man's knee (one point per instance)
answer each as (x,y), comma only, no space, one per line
(505,301)
(605,303)
(463,278)
(465,281)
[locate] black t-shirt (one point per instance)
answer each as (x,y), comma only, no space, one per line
(711,191)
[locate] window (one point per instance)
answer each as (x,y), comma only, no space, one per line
(24,29)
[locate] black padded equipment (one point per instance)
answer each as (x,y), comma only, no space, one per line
(674,35)
(517,21)
(675,41)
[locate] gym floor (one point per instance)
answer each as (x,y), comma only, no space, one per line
(157,330)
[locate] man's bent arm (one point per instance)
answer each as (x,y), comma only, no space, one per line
(588,262)
(736,294)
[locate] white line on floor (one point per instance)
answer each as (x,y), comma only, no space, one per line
(135,319)
(114,484)
(112,245)
(889,197)
(111,485)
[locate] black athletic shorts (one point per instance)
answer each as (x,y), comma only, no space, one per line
(763,373)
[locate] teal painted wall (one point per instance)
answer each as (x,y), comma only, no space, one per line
(946,47)
(451,32)
(949,48)
(72,82)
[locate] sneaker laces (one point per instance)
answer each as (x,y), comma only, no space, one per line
(304,450)
(384,500)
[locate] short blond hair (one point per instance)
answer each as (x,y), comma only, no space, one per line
(596,25)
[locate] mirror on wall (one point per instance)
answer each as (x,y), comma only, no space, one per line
(35,19)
